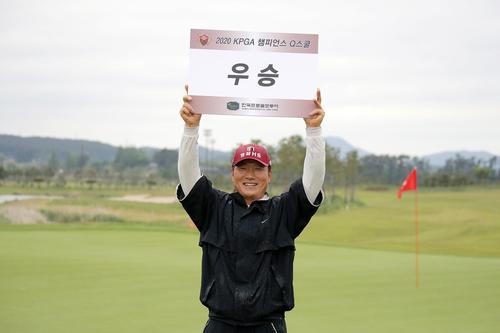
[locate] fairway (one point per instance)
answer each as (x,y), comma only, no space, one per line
(69,278)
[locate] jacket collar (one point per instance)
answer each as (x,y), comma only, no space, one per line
(259,204)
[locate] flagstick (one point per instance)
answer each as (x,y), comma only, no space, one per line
(416,233)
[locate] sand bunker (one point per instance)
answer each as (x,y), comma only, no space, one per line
(17,214)
(146,198)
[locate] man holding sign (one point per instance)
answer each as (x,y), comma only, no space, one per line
(246,236)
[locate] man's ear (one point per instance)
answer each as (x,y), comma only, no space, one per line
(269,174)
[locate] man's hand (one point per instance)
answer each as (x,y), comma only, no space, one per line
(190,118)
(316,116)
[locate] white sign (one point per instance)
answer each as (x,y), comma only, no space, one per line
(247,73)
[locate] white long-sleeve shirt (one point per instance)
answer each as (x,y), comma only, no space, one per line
(313,173)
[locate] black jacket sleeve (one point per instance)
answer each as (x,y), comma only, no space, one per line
(298,209)
(199,202)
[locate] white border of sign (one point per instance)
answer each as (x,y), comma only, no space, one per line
(213,51)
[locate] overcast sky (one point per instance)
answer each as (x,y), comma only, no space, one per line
(413,77)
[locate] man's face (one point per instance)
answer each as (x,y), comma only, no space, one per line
(250,179)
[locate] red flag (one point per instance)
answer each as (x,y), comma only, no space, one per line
(410,183)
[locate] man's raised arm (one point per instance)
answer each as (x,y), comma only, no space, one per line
(314,163)
(189,163)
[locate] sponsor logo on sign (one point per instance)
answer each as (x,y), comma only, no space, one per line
(233,106)
(204,39)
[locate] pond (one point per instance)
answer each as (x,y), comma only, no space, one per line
(15,197)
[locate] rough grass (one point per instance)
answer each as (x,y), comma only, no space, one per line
(465,222)
(461,221)
(91,208)
(78,189)
(59,217)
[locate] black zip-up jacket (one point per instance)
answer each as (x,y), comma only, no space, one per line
(248,252)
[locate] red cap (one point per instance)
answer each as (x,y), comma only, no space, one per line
(251,152)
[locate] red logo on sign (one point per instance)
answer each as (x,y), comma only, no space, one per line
(204,40)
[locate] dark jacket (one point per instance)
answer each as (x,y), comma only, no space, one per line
(248,252)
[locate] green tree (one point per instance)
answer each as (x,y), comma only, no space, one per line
(334,166)
(53,163)
(90,176)
(130,157)
(289,159)
(151,181)
(60,179)
(351,177)
(3,174)
(51,168)
(166,160)
(482,174)
(71,162)
(82,159)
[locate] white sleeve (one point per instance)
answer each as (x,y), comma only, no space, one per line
(188,165)
(314,163)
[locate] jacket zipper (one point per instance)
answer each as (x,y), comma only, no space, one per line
(274,328)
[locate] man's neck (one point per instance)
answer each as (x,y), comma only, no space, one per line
(264,197)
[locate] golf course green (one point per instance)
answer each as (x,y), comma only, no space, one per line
(354,269)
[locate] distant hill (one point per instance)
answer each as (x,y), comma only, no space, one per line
(439,159)
(216,155)
(344,146)
(39,149)
(32,149)
(436,160)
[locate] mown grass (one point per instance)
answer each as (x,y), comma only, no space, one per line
(55,278)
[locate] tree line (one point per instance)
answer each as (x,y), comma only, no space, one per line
(134,167)
(130,167)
